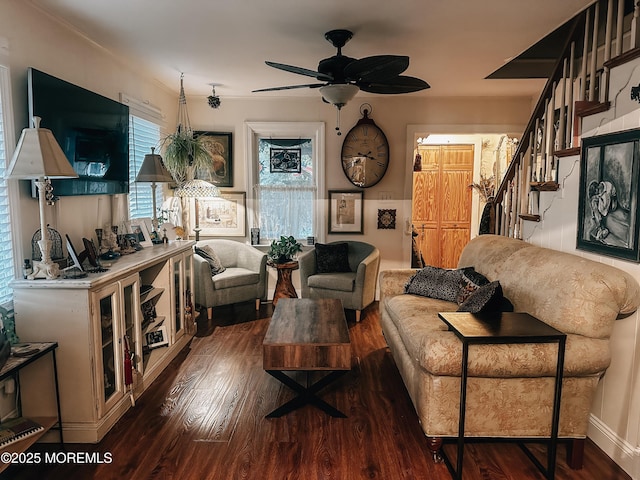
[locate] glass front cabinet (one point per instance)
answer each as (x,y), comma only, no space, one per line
(136,316)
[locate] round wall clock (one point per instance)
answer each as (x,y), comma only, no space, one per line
(365,153)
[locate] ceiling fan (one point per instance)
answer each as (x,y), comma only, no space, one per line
(342,77)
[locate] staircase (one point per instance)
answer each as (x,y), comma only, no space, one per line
(604,35)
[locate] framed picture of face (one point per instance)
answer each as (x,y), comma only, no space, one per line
(220,148)
(138,227)
(608,214)
(346,208)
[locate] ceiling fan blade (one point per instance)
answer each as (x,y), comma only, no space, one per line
(376,68)
(290,87)
(399,84)
(300,71)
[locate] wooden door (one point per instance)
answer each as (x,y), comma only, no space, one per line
(442,202)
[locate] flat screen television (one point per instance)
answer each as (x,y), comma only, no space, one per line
(92,130)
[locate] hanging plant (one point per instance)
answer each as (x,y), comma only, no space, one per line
(184,153)
(181,151)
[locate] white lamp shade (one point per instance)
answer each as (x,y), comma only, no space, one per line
(153,170)
(38,155)
(197,188)
(339,94)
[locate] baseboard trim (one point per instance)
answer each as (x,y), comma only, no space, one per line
(622,452)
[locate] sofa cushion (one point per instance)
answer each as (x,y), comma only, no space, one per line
(487,298)
(331,258)
(470,281)
(235,277)
(212,258)
(342,281)
(435,282)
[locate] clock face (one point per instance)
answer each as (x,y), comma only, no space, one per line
(365,155)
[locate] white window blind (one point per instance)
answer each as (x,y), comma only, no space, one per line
(6,253)
(143,135)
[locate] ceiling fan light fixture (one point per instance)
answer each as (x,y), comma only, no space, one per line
(339,94)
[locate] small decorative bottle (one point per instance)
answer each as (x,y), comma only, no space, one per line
(27,268)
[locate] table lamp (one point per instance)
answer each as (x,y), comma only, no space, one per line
(154,171)
(39,157)
(194,189)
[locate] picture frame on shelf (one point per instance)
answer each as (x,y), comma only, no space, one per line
(220,148)
(346,211)
(223,216)
(138,227)
(157,337)
(608,213)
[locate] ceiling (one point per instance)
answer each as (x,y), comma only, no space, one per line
(453,44)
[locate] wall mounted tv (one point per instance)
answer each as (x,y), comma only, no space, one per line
(92,130)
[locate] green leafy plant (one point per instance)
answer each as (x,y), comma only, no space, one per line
(283,250)
(184,152)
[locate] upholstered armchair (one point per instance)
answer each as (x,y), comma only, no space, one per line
(242,277)
(350,274)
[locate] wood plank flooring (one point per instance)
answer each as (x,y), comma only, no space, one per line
(204,418)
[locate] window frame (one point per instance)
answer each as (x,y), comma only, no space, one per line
(313,130)
(9,148)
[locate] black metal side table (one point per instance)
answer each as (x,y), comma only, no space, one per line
(504,328)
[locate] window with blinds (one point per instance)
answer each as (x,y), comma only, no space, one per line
(143,135)
(6,251)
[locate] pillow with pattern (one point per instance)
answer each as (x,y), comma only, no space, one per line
(470,281)
(435,282)
(212,258)
(487,298)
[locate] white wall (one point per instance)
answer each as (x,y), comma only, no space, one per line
(400,117)
(615,416)
(29,38)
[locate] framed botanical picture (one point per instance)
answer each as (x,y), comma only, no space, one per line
(608,220)
(285,160)
(138,227)
(346,208)
(220,148)
(223,216)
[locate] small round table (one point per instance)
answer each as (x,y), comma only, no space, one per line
(284,285)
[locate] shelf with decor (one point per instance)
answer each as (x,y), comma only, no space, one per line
(108,310)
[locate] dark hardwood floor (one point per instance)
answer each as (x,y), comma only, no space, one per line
(204,418)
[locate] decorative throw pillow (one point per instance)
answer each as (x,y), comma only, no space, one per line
(469,283)
(332,258)
(435,282)
(487,298)
(212,258)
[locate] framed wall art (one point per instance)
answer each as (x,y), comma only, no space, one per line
(223,216)
(220,148)
(608,221)
(346,211)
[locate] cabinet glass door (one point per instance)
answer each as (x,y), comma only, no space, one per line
(189,306)
(107,334)
(178,298)
(131,295)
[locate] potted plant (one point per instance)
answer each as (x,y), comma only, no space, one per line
(184,154)
(283,250)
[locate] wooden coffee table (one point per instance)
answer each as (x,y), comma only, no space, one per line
(307,335)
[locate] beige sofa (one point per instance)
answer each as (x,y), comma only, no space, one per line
(510,387)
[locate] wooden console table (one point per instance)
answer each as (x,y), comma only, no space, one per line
(503,328)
